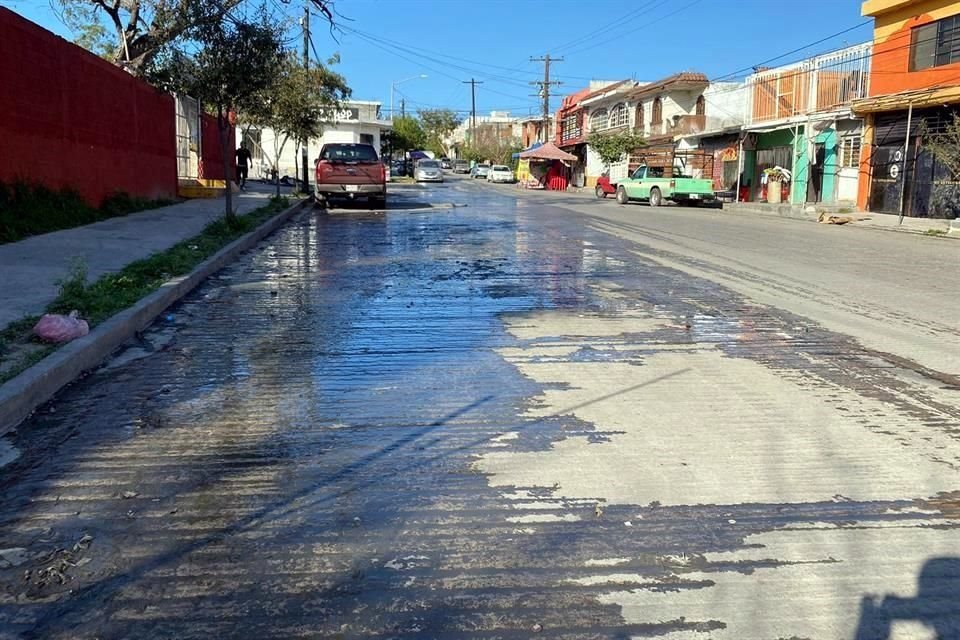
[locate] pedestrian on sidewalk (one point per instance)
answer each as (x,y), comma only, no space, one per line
(243,161)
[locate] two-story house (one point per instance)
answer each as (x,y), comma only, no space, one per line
(571,133)
(722,109)
(661,111)
(914,88)
(799,117)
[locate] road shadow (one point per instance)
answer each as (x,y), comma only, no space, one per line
(937,605)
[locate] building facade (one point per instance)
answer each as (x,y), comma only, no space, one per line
(800,118)
(355,121)
(913,92)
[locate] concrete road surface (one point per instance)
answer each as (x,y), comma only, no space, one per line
(487,413)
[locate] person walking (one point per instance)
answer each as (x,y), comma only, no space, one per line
(243,163)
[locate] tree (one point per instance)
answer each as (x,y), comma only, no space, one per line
(407,135)
(944,144)
(437,124)
(296,105)
(237,64)
(142,29)
(611,147)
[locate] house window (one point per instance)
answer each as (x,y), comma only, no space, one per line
(657,117)
(701,106)
(366,138)
(619,116)
(638,120)
(598,120)
(850,152)
(935,44)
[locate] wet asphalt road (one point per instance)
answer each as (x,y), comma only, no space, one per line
(517,417)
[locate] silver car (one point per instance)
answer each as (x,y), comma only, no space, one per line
(428,171)
(480,171)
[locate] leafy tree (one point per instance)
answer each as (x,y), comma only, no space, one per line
(437,124)
(142,29)
(611,147)
(296,104)
(237,64)
(407,135)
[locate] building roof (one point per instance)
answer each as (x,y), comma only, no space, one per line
(685,80)
(875,8)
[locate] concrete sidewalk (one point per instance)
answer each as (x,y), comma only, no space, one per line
(32,266)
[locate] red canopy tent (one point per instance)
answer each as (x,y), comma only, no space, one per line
(548,151)
(555,178)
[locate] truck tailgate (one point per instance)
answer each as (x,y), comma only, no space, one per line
(350,172)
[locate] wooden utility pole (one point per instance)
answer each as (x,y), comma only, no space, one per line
(473,107)
(304,152)
(544,92)
(403,108)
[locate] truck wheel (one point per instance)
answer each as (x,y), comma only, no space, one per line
(656,199)
(600,192)
(321,201)
(622,197)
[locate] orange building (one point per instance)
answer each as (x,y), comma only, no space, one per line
(914,88)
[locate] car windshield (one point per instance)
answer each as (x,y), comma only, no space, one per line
(500,167)
(348,153)
(429,164)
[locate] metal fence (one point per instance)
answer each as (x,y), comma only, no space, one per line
(819,84)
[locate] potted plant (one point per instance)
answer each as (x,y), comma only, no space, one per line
(775,176)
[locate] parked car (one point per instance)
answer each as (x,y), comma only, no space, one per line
(650,184)
(445,163)
(428,171)
(479,171)
(350,170)
(500,173)
(461,166)
(398,168)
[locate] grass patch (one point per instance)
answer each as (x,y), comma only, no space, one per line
(935,232)
(28,209)
(97,301)
(402,180)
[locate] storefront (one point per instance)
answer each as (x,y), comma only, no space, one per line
(905,177)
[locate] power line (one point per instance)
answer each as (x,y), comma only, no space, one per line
(618,21)
(644,26)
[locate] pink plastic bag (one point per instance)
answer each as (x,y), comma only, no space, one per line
(54,327)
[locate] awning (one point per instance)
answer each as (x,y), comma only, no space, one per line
(918,98)
(548,151)
(418,155)
(535,145)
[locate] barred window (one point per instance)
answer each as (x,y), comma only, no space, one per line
(850,152)
(619,116)
(598,120)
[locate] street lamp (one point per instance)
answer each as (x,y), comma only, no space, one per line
(393,86)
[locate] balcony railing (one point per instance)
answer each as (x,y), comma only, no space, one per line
(822,83)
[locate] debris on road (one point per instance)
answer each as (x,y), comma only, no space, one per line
(57,328)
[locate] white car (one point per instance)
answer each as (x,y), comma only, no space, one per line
(500,173)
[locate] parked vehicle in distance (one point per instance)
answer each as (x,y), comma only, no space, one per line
(398,168)
(461,166)
(428,171)
(445,163)
(479,171)
(500,173)
(350,170)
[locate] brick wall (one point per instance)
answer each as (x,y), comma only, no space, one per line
(68,118)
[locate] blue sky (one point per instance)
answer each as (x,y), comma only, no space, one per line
(492,40)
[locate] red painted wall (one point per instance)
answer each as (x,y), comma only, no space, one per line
(211,166)
(68,118)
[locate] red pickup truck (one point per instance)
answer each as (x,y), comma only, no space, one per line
(351,170)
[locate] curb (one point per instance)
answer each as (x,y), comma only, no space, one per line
(38,384)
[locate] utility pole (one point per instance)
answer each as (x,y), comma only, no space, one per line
(544,92)
(304,153)
(473,106)
(403,107)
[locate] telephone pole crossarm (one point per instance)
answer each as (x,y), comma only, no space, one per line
(544,92)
